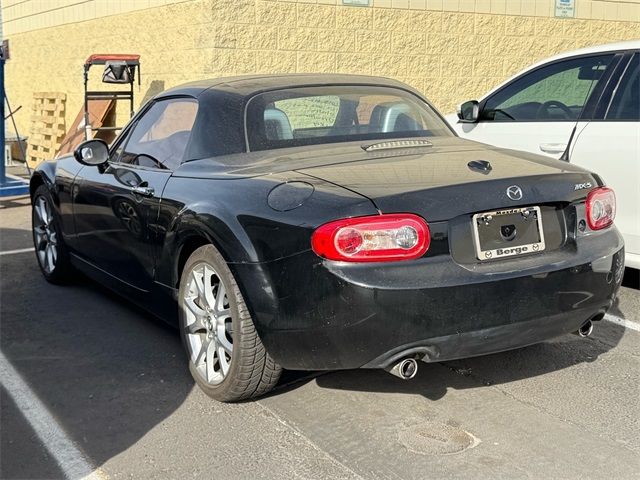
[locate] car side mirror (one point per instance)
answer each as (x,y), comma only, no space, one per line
(469,112)
(92,153)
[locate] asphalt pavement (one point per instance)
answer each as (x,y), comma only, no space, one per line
(94,387)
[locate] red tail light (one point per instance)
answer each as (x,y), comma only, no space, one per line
(601,208)
(378,238)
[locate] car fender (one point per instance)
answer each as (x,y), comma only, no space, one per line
(45,173)
(254,232)
(195,224)
(58,176)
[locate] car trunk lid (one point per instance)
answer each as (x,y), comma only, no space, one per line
(454,177)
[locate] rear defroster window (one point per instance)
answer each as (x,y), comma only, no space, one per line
(316,115)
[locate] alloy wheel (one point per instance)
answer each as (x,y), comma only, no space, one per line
(46,238)
(208,323)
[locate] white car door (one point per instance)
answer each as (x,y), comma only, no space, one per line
(544,138)
(536,112)
(610,146)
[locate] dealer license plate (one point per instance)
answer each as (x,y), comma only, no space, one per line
(508,233)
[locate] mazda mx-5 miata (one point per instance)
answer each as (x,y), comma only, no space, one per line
(320,222)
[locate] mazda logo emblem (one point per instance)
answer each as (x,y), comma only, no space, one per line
(514,192)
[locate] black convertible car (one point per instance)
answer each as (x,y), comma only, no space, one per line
(327,222)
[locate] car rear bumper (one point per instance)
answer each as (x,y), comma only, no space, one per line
(488,340)
(315,315)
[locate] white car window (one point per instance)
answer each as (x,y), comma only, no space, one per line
(555,92)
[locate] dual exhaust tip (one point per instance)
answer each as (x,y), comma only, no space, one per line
(585,330)
(405,369)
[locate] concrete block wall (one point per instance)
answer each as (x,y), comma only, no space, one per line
(452,50)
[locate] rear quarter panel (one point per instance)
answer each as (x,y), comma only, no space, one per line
(235,216)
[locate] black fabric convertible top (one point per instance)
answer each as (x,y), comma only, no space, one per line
(219,128)
(250,85)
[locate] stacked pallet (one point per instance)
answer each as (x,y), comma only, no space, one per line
(47,126)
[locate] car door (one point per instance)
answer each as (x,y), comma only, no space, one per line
(610,146)
(537,111)
(116,208)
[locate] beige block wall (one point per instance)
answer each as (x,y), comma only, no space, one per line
(449,55)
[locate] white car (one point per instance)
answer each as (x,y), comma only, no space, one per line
(582,107)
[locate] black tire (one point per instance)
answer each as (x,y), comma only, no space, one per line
(252,372)
(62,270)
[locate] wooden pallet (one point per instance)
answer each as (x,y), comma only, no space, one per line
(47,126)
(100,111)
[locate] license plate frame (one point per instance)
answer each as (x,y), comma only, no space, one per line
(508,250)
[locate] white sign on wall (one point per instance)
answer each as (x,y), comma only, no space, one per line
(566,8)
(358,3)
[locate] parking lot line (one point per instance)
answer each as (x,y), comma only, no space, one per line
(622,321)
(68,457)
(20,250)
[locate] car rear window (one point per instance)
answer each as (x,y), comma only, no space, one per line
(316,115)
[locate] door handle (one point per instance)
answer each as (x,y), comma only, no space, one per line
(143,191)
(553,147)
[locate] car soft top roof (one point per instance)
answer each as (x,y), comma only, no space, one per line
(225,99)
(250,85)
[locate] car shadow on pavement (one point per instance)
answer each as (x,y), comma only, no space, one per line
(631,278)
(479,372)
(13,202)
(14,238)
(106,370)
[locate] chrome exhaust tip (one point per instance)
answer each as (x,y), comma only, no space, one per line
(405,369)
(585,330)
